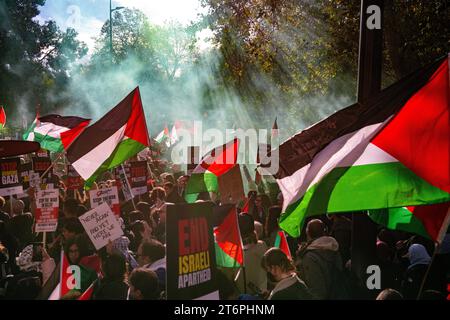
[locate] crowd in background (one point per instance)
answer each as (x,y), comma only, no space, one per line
(134,266)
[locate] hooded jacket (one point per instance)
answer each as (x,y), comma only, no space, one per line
(316,264)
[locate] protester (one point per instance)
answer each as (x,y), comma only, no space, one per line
(3,215)
(389,294)
(319,263)
(151,255)
(113,285)
(255,276)
(288,284)
(419,262)
(144,285)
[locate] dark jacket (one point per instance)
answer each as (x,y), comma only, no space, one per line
(319,264)
(110,290)
(291,288)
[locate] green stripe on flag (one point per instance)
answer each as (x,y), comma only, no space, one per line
(124,150)
(223,259)
(364,187)
(399,219)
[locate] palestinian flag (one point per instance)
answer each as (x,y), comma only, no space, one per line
(2,118)
(216,163)
(281,242)
(118,136)
(228,242)
(163,136)
(87,295)
(68,275)
(54,132)
(392,152)
(430,221)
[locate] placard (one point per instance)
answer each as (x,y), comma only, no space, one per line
(191,258)
(101,225)
(10,183)
(41,165)
(25,170)
(122,182)
(47,208)
(74,181)
(139,176)
(106,195)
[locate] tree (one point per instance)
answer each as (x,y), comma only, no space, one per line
(35,59)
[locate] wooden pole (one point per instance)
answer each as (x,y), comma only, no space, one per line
(364,231)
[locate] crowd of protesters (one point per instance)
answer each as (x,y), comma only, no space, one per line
(134,266)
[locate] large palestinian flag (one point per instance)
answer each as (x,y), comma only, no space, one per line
(392,152)
(229,248)
(118,136)
(54,132)
(214,164)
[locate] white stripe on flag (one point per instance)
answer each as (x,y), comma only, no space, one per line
(90,162)
(349,150)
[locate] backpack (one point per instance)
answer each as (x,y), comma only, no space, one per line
(339,285)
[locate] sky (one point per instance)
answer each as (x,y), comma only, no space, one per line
(88,16)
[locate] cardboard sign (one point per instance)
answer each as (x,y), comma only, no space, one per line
(10,183)
(138,181)
(46,213)
(41,165)
(101,225)
(109,196)
(230,186)
(191,257)
(74,181)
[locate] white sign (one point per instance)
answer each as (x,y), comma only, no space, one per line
(46,213)
(35,179)
(11,191)
(105,195)
(101,225)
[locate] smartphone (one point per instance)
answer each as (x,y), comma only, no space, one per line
(37,251)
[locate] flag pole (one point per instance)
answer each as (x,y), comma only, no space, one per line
(425,277)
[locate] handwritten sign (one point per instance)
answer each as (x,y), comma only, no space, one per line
(106,195)
(101,225)
(46,214)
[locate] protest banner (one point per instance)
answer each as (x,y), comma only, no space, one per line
(101,225)
(41,165)
(10,183)
(230,186)
(106,195)
(73,181)
(191,263)
(46,214)
(139,176)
